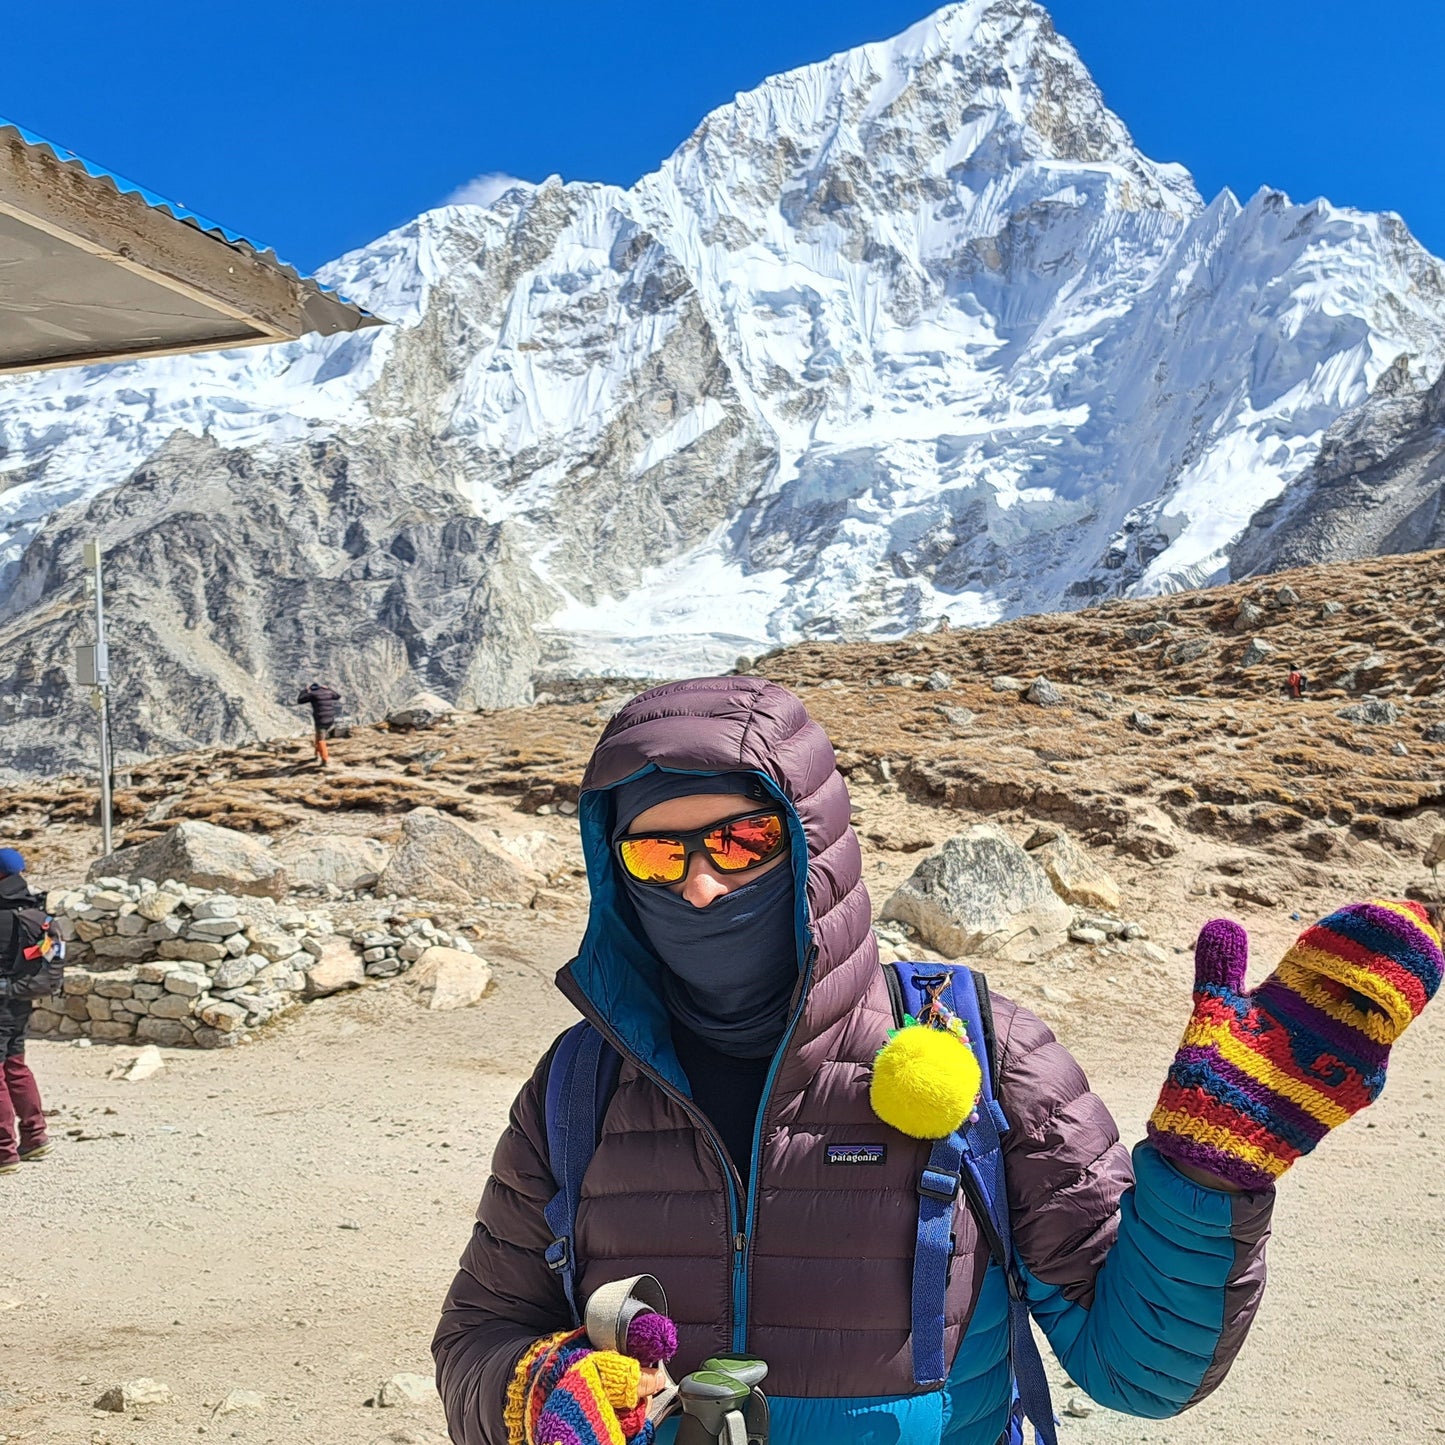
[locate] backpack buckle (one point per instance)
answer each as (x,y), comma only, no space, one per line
(558,1255)
(935,1184)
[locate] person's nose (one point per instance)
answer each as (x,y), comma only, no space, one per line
(702,885)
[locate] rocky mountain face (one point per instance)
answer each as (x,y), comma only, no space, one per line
(1376,486)
(914,333)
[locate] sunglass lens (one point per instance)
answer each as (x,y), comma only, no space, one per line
(653,860)
(745,842)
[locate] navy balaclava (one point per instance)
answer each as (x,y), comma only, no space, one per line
(729,970)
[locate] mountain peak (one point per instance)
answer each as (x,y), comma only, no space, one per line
(912,333)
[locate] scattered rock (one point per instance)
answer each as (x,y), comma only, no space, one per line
(1044,693)
(938,681)
(980,893)
(1400,750)
(145,1063)
(1141,722)
(1286,596)
(1435,733)
(133,1394)
(1186,651)
(1248,616)
(958,718)
(338,967)
(1331,609)
(242,1402)
(1076,876)
(1006,684)
(419,711)
(447,978)
(406,1389)
(1374,711)
(1088,935)
(1257,651)
(201,855)
(445,860)
(902,679)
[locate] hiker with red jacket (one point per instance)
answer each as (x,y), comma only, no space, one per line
(322,701)
(1295,683)
(795,1157)
(29,958)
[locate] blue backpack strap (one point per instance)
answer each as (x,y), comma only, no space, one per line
(971,1159)
(580,1084)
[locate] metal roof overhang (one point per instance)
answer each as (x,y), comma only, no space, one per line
(94,268)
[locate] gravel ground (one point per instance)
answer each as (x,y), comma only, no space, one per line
(285,1217)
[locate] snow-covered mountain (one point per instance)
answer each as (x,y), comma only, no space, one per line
(914,332)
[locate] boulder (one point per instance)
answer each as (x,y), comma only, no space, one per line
(1044,693)
(1256,652)
(242,1402)
(447,978)
(201,855)
(321,858)
(134,1393)
(406,1389)
(1374,711)
(444,860)
(1077,878)
(338,967)
(419,711)
(980,893)
(1249,616)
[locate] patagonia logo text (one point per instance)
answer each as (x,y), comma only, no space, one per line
(857,1153)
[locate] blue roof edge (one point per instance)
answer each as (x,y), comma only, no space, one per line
(234,239)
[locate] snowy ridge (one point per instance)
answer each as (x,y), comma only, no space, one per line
(909,333)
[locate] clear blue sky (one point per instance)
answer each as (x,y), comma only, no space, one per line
(315,126)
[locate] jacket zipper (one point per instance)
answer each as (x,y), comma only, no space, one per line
(741,1262)
(732,1180)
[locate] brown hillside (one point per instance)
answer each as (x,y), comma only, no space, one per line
(1161,730)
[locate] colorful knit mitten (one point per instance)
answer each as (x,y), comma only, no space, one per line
(1262,1077)
(563,1392)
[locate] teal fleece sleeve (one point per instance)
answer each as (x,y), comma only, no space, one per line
(1172,1300)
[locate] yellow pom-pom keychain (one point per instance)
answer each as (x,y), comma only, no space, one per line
(926,1080)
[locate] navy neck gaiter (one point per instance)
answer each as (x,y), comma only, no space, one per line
(729,970)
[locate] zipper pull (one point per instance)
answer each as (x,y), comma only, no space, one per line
(740,1244)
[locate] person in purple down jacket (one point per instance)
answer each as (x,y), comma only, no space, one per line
(740,1161)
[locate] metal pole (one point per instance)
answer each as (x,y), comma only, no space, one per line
(102,691)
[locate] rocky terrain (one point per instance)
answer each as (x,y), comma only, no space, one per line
(1376,486)
(1143,726)
(912,333)
(265,1232)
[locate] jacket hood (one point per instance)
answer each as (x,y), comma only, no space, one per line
(723,725)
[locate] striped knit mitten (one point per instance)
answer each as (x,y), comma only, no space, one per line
(563,1392)
(1262,1077)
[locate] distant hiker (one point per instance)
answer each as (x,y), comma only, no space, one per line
(322,701)
(807,1149)
(1295,683)
(30,959)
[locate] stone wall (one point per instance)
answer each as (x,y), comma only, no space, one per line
(176,965)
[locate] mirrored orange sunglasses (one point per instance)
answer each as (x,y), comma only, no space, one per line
(731,845)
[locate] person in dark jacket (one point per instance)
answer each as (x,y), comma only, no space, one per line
(729,959)
(22,1116)
(322,701)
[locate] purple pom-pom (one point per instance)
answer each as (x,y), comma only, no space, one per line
(651,1338)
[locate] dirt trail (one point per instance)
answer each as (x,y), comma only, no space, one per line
(285,1218)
